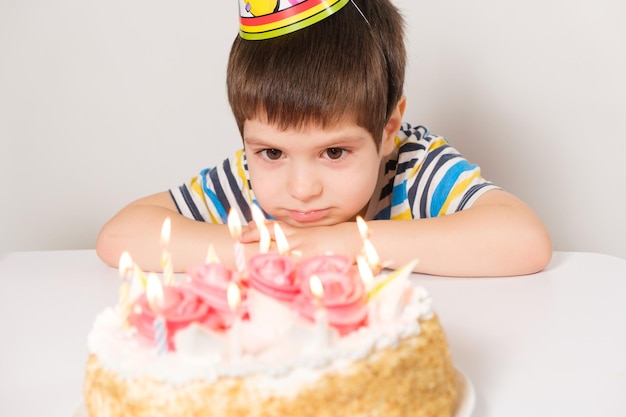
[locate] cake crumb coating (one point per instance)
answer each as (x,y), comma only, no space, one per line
(415,378)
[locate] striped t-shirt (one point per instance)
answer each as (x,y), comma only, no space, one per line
(423,177)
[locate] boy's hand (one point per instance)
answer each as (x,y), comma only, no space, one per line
(342,238)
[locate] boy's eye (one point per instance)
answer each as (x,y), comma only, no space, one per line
(272,154)
(334,153)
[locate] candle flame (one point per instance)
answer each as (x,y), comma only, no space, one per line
(211,256)
(166,231)
(257,215)
(234,224)
(317,289)
(265,239)
(363,229)
(371,255)
(126,266)
(233,294)
(154,292)
(367,276)
(281,240)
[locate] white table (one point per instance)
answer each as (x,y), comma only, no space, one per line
(551,344)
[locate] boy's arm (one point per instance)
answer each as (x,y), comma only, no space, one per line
(498,236)
(137,229)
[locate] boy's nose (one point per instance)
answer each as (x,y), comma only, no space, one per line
(303,184)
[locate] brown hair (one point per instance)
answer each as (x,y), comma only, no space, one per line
(347,65)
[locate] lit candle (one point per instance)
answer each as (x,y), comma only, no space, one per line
(234,226)
(367,277)
(126,273)
(372,256)
(281,240)
(138,273)
(265,239)
(402,273)
(370,252)
(363,229)
(321,316)
(154,294)
(211,256)
(166,258)
(233,294)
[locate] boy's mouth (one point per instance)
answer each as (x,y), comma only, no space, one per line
(307,216)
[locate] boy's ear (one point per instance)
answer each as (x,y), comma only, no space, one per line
(391,128)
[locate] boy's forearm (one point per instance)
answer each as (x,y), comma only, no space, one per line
(137,229)
(487,240)
(498,236)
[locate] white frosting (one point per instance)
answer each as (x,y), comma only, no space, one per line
(278,366)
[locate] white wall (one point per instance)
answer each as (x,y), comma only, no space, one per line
(103,102)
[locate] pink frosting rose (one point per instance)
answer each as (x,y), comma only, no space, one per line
(323,264)
(180,308)
(210,282)
(273,275)
(344,299)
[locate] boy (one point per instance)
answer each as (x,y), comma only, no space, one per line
(319,107)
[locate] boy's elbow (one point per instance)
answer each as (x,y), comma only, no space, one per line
(537,254)
(105,248)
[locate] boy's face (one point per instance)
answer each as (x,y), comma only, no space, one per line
(312,176)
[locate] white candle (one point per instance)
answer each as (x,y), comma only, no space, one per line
(367,276)
(363,229)
(160,334)
(233,294)
(265,239)
(234,226)
(368,248)
(126,273)
(281,240)
(372,256)
(320,315)
(155,296)
(211,256)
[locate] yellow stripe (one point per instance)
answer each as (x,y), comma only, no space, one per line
(272,30)
(241,173)
(433,145)
(196,187)
(405,215)
(287,21)
(458,189)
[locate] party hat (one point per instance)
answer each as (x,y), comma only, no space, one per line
(265,19)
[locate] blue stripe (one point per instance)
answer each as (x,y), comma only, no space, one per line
(399,194)
(221,211)
(446,184)
(384,214)
(439,160)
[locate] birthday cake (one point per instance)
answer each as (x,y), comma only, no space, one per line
(318,337)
